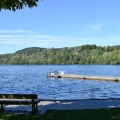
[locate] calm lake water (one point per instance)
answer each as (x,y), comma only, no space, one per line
(33,79)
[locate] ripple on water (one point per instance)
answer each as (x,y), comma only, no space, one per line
(32,79)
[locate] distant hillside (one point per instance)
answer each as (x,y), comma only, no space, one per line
(29,51)
(85,54)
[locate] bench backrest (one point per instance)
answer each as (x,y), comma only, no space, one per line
(18,96)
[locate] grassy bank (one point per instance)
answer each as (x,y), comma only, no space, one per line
(99,114)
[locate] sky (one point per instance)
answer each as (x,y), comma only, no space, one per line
(61,23)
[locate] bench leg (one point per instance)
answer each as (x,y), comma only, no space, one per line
(1,109)
(33,108)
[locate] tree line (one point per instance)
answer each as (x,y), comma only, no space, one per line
(85,54)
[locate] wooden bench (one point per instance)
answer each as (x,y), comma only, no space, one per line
(20,99)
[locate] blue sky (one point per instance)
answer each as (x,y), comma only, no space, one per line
(61,23)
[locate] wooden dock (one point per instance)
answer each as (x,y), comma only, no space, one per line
(87,77)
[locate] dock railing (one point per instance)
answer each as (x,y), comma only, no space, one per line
(52,74)
(56,73)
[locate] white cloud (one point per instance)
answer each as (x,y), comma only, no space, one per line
(97,27)
(15,31)
(37,39)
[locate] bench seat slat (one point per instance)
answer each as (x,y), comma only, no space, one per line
(18,96)
(18,101)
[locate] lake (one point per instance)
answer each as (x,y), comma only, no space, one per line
(33,79)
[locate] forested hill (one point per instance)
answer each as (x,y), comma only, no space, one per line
(85,54)
(29,50)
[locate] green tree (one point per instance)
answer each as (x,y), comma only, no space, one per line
(17,4)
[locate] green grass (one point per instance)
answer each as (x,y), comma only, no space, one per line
(99,114)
